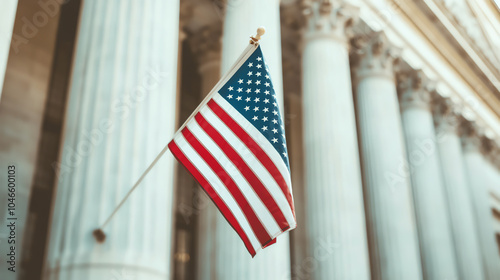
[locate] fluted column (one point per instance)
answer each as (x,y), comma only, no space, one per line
(241,20)
(390,214)
(494,158)
(475,167)
(206,44)
(335,223)
(433,220)
(7,16)
(121,113)
(492,187)
(466,239)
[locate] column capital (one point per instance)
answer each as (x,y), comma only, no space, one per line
(206,44)
(374,55)
(496,153)
(447,115)
(471,134)
(415,88)
(491,149)
(328,19)
(185,15)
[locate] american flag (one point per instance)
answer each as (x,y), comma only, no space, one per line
(234,145)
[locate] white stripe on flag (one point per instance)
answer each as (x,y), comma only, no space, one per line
(248,192)
(219,187)
(253,163)
(257,136)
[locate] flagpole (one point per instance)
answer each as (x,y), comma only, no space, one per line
(98,233)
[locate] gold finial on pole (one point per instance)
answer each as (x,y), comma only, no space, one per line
(255,40)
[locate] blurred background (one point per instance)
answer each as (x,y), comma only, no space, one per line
(392,113)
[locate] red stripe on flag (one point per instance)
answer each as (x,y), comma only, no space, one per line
(255,148)
(226,212)
(257,227)
(249,175)
(270,243)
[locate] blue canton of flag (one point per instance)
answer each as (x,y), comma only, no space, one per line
(251,92)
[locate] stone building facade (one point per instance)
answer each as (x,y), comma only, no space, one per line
(392,114)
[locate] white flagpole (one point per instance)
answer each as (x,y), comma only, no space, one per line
(98,233)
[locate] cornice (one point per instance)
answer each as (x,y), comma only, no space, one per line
(473,81)
(454,48)
(464,15)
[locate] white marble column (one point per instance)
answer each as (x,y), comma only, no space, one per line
(463,221)
(494,179)
(433,220)
(242,18)
(121,113)
(495,174)
(206,44)
(335,219)
(492,187)
(475,167)
(391,223)
(7,16)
